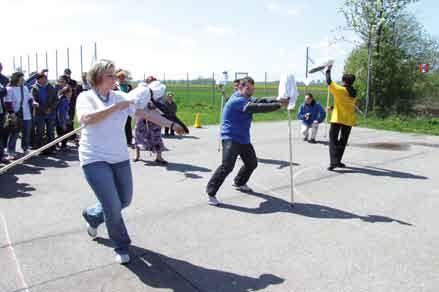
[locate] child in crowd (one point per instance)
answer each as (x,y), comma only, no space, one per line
(63,119)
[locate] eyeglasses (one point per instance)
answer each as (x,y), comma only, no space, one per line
(112,76)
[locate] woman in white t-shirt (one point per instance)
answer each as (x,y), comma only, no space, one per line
(18,100)
(103,152)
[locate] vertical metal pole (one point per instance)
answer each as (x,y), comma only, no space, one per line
(47,61)
(265,84)
(96,52)
(307,69)
(68,58)
(144,76)
(82,66)
(164,77)
(13,63)
(28,65)
(56,64)
(213,88)
(290,143)
(36,62)
(21,63)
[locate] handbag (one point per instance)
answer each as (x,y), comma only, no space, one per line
(14,122)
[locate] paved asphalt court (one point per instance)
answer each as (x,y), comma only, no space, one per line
(370,227)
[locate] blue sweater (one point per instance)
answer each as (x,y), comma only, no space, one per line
(236,122)
(317,113)
(62,112)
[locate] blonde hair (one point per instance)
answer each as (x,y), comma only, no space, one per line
(97,71)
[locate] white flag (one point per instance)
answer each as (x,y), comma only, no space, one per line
(288,89)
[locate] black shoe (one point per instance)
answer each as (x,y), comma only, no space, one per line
(305,139)
(341,165)
(312,141)
(332,167)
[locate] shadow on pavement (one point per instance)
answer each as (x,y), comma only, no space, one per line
(280,163)
(160,271)
(376,171)
(274,205)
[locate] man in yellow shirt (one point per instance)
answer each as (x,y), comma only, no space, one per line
(343,117)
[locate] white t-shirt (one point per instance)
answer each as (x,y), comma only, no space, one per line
(104,141)
(14,96)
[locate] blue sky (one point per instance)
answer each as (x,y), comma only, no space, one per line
(175,37)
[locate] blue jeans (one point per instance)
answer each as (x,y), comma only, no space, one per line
(42,123)
(2,135)
(25,142)
(113,187)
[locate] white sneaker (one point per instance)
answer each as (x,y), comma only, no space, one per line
(243,188)
(213,201)
(122,258)
(92,232)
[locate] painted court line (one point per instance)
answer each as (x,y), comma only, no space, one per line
(9,246)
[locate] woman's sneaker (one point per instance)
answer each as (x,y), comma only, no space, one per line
(243,188)
(122,258)
(91,231)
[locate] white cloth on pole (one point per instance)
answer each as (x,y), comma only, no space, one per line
(158,90)
(141,96)
(288,89)
(224,79)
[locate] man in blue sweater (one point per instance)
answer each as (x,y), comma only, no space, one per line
(235,134)
(311,114)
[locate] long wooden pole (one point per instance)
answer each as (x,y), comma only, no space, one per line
(39,150)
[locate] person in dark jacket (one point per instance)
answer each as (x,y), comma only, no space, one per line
(63,119)
(171,111)
(123,85)
(45,102)
(235,134)
(311,113)
(3,92)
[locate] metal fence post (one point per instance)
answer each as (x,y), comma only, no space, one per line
(56,64)
(265,84)
(187,84)
(36,62)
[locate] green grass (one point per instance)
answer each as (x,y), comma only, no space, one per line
(203,100)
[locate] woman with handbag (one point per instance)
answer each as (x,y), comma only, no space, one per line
(18,119)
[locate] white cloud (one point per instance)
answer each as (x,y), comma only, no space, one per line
(276,8)
(273,7)
(221,31)
(292,12)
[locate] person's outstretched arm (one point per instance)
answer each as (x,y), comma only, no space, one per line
(264,105)
(328,75)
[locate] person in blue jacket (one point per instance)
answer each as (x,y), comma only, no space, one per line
(311,114)
(235,135)
(63,119)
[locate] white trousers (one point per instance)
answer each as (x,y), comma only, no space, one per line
(305,130)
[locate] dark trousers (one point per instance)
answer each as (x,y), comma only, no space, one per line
(129,131)
(60,132)
(231,150)
(3,135)
(338,139)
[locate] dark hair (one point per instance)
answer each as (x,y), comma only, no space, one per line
(64,77)
(64,90)
(237,81)
(246,80)
(310,95)
(348,79)
(15,78)
(41,75)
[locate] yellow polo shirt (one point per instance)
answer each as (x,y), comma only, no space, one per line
(344,105)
